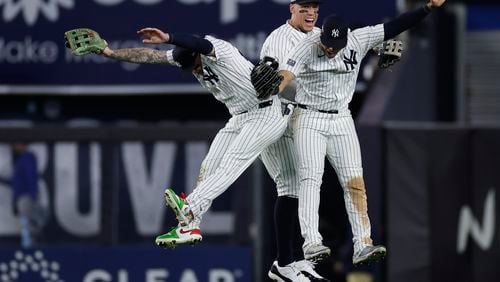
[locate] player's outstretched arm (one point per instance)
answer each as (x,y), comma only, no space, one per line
(187,41)
(409,19)
(84,41)
(142,55)
(138,55)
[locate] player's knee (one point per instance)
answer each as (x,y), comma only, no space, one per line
(288,190)
(289,194)
(356,184)
(310,181)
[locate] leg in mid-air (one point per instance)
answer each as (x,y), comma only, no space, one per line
(210,163)
(311,148)
(344,154)
(280,160)
(259,129)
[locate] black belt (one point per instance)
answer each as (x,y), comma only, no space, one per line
(261,105)
(321,111)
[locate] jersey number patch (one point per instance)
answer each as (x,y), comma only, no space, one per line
(209,75)
(350,62)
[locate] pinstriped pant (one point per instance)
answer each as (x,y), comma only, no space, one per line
(332,135)
(281,160)
(235,148)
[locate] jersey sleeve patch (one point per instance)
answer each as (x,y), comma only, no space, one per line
(291,62)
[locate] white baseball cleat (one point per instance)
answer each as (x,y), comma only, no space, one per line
(369,254)
(286,273)
(316,252)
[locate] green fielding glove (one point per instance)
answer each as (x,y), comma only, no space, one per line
(83,41)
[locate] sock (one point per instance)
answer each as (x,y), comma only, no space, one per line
(297,239)
(285,217)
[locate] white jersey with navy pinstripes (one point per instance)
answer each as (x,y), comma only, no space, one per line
(222,76)
(280,158)
(282,40)
(278,44)
(329,83)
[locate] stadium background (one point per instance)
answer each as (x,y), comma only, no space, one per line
(109,137)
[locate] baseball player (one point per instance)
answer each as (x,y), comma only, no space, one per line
(280,158)
(326,66)
(254,125)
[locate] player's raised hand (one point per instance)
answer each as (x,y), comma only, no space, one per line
(153,35)
(435,3)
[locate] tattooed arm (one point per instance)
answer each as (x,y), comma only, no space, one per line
(139,55)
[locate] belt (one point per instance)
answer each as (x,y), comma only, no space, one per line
(261,105)
(321,111)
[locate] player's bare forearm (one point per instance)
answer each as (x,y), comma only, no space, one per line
(287,77)
(137,55)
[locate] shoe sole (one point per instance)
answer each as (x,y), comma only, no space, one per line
(312,277)
(373,257)
(172,244)
(170,199)
(274,277)
(315,258)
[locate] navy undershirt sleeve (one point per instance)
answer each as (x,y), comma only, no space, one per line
(188,41)
(404,22)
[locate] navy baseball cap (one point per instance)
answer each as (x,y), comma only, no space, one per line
(334,32)
(300,2)
(185,57)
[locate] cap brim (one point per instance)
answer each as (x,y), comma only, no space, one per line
(334,43)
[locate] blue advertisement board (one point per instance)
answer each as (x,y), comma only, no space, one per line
(126,264)
(483,18)
(33,58)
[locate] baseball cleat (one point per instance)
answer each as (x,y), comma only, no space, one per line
(369,254)
(179,206)
(307,269)
(316,252)
(179,236)
(286,273)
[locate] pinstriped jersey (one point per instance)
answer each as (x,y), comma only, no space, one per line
(227,77)
(279,43)
(328,83)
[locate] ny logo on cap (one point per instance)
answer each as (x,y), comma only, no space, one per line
(335,33)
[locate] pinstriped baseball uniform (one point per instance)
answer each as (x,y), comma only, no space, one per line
(326,84)
(251,128)
(223,77)
(280,158)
